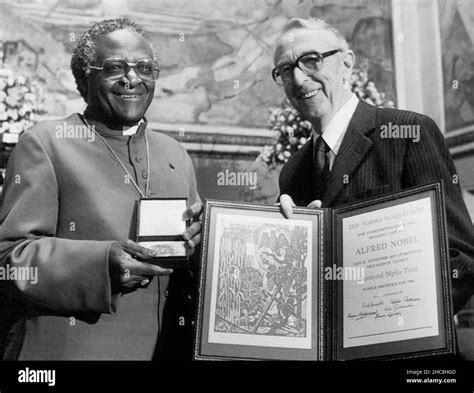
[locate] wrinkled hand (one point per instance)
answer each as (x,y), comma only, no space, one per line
(127,271)
(192,234)
(315,204)
(287,205)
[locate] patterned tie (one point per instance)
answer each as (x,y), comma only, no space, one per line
(321,164)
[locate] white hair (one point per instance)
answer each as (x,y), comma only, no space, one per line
(316,24)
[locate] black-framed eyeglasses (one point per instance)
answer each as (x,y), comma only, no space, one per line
(309,63)
(146,69)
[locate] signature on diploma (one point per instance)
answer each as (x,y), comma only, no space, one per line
(380,309)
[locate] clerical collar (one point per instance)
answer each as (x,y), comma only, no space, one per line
(131,130)
(126,131)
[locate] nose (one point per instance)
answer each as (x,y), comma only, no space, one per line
(299,77)
(132,77)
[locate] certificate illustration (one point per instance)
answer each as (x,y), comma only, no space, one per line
(260,293)
(263,275)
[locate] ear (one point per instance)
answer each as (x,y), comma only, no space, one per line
(348,62)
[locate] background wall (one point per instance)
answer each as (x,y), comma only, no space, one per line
(215,90)
(216,56)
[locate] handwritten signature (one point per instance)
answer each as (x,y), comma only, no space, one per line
(393,309)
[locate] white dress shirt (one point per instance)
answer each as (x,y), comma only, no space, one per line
(334,133)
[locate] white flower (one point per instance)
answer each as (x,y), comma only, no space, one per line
(3,95)
(3,116)
(287,154)
(16,128)
(30,97)
(281,157)
(11,101)
(12,114)
(6,72)
(369,101)
(303,140)
(278,147)
(3,107)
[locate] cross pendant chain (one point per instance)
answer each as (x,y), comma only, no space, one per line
(129,176)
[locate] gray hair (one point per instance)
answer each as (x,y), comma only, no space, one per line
(316,24)
(84,53)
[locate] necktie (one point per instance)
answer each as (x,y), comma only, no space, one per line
(321,163)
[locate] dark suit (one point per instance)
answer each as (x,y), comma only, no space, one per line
(368,165)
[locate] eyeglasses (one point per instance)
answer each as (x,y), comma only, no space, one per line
(309,63)
(146,69)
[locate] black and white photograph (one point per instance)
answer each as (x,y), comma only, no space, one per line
(237,187)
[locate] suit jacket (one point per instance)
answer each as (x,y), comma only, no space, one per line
(368,166)
(65,200)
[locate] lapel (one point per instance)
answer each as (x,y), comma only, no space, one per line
(354,148)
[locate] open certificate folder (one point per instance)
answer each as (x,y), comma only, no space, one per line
(365,281)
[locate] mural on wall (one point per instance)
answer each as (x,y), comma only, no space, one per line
(457,47)
(216,56)
(216,61)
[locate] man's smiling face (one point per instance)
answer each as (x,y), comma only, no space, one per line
(124,101)
(319,96)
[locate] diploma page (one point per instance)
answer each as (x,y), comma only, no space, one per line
(395,297)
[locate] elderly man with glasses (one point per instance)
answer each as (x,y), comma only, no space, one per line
(69,210)
(348,158)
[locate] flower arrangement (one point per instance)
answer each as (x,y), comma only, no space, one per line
(292,131)
(365,88)
(20,102)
